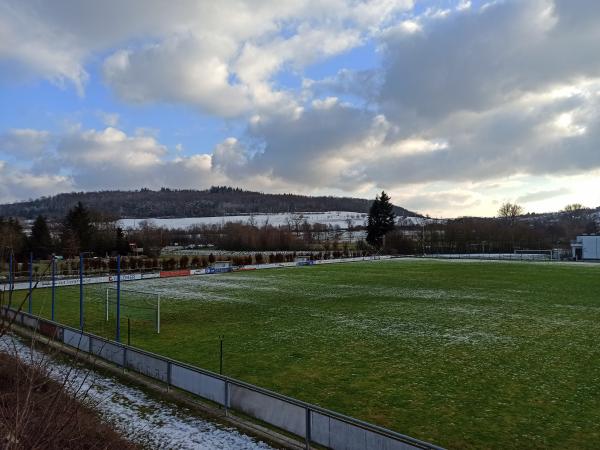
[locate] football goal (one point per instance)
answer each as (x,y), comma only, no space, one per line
(534,254)
(137,305)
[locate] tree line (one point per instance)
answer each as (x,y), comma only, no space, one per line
(510,231)
(84,230)
(81,230)
(216,201)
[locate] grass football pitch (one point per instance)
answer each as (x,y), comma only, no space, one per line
(462,354)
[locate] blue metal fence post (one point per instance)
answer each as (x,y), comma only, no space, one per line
(29,305)
(53,284)
(11,282)
(81,291)
(118,337)
(10,272)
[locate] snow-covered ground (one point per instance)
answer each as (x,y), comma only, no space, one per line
(329,218)
(333,218)
(143,419)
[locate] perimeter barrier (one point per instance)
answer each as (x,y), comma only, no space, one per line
(311,423)
(531,257)
(59,281)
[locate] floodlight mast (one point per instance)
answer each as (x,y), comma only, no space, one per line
(118,336)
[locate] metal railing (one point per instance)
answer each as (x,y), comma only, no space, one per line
(311,423)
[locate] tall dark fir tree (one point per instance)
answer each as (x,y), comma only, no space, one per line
(40,241)
(381,220)
(121,245)
(78,230)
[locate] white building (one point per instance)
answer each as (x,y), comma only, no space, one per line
(586,247)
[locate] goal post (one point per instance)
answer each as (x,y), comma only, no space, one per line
(139,305)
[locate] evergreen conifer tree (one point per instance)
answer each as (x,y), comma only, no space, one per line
(40,241)
(381,220)
(78,225)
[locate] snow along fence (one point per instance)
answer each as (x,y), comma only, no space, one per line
(310,423)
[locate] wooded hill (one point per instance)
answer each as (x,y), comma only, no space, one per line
(216,201)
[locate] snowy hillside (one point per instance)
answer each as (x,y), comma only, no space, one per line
(334,218)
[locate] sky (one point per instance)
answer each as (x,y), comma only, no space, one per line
(451,106)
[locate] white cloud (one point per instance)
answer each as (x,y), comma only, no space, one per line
(111,159)
(110,147)
(230,157)
(24,142)
(183,70)
(88,159)
(220,57)
(18,184)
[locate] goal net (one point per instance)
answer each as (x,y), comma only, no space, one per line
(534,254)
(137,305)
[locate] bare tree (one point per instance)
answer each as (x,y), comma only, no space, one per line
(573,207)
(297,220)
(510,211)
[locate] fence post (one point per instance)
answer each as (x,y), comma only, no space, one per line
(29,303)
(226,397)
(221,356)
(308,428)
(168,375)
(81,291)
(118,337)
(11,281)
(53,285)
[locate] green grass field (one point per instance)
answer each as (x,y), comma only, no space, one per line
(462,354)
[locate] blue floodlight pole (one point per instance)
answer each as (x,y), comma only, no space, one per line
(53,284)
(81,291)
(118,337)
(29,306)
(11,275)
